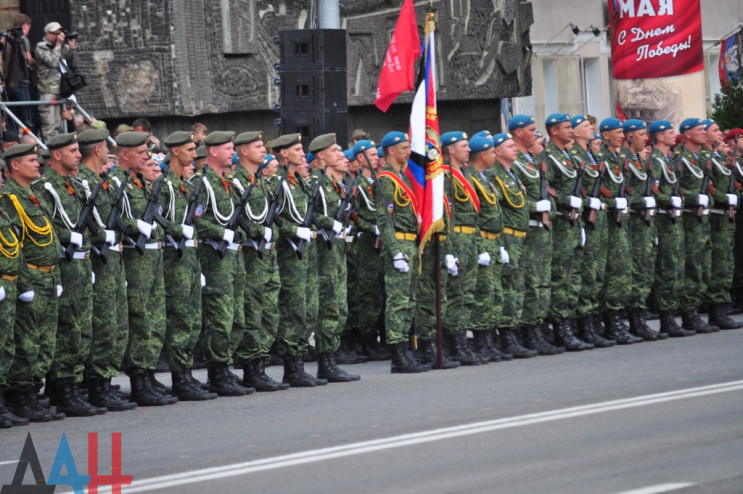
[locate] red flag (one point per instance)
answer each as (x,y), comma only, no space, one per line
(620,113)
(398,71)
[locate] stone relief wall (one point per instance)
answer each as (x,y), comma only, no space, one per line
(194,57)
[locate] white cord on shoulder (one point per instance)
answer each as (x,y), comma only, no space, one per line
(671,179)
(640,175)
(96,215)
(533,174)
(126,209)
(58,206)
(693,169)
(222,220)
(617,179)
(568,173)
(292,207)
(248,210)
(721,167)
(369,204)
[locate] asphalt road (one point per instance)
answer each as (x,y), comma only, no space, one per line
(655,417)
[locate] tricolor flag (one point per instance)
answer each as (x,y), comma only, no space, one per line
(425,167)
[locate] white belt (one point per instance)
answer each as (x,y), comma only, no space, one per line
(233,246)
(350,239)
(342,235)
(79,255)
(665,211)
(536,223)
(718,211)
(652,211)
(705,212)
(190,243)
(116,247)
(153,246)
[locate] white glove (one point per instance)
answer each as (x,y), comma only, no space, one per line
(267,234)
(2,293)
(187,231)
(110,237)
(144,228)
(304,233)
(400,263)
(93,278)
(59,291)
(582,237)
(229,235)
(348,231)
(575,202)
(154,225)
(451,264)
(504,258)
(27,297)
(732,199)
(483,259)
(543,206)
(620,203)
(649,202)
(594,203)
(676,202)
(76,239)
(376,230)
(203,280)
(703,200)
(337,227)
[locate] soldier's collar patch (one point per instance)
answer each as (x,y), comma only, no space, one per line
(199,210)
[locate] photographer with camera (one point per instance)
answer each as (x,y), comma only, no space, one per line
(54,51)
(19,68)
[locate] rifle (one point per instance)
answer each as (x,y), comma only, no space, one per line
(733,180)
(273,212)
(576,192)
(649,189)
(705,185)
(188,220)
(85,220)
(544,193)
(622,192)
(595,192)
(309,217)
(114,218)
(152,211)
(677,188)
(236,218)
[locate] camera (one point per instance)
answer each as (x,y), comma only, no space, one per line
(69,34)
(13,32)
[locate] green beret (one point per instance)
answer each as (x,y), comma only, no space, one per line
(92,136)
(219,137)
(178,138)
(248,137)
(98,125)
(201,152)
(286,141)
(62,141)
(131,139)
(322,142)
(2,164)
(19,150)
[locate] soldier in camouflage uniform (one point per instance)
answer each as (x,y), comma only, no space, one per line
(642,233)
(74,324)
(697,242)
(183,284)
(110,308)
(262,282)
(49,54)
(397,219)
(669,264)
(567,241)
(222,294)
(618,276)
(537,257)
(722,227)
(331,259)
(39,284)
(595,248)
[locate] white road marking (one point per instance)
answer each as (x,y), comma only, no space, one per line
(312,456)
(8,462)
(657,489)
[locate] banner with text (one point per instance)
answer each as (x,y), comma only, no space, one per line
(655,38)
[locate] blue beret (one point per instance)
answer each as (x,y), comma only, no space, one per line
(610,123)
(556,118)
(480,143)
(659,125)
(362,146)
(689,123)
(633,124)
(348,153)
(452,137)
(380,151)
(394,137)
(596,135)
(310,157)
(266,160)
(577,120)
(499,139)
(520,121)
(708,123)
(485,133)
(235,159)
(539,135)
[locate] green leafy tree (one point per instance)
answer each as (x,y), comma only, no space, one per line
(727,109)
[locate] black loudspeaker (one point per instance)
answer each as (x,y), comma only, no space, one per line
(314,90)
(313,49)
(313,124)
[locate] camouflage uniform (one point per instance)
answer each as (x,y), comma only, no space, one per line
(48,59)
(11,266)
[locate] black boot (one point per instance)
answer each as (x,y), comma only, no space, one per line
(598,325)
(496,347)
(587,333)
(691,320)
(293,377)
(311,355)
(254,375)
(668,325)
(637,326)
(480,346)
(327,369)
(400,362)
(143,394)
(68,403)
(459,349)
(82,397)
(510,344)
(99,395)
(185,390)
(221,383)
(533,340)
(719,317)
(565,336)
(617,331)
(25,405)
(157,385)
(429,355)
(372,348)
(347,354)
(6,413)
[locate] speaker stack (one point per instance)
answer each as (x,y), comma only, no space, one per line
(312,72)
